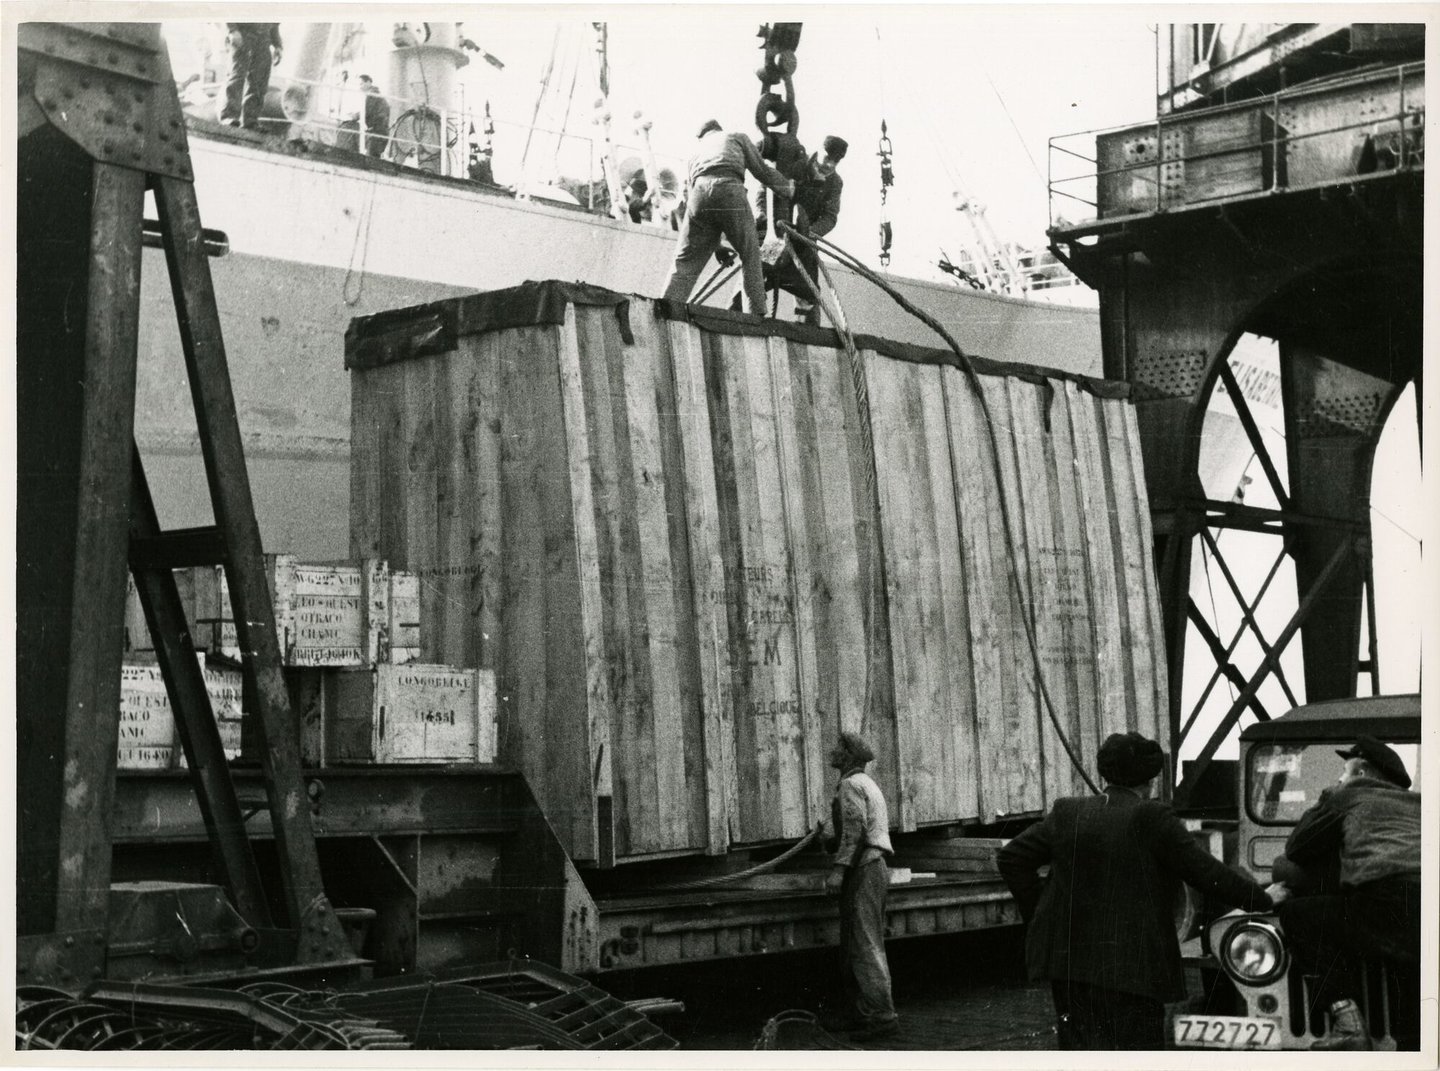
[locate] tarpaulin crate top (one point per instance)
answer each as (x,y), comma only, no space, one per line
(694,546)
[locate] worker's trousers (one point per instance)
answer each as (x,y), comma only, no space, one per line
(717,206)
(1329,935)
(247,81)
(865,971)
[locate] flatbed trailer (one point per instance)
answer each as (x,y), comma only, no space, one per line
(459,866)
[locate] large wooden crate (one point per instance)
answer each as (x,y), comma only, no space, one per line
(694,551)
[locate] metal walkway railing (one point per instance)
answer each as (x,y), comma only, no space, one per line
(1339,130)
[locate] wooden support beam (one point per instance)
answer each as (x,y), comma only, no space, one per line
(178,548)
(219,433)
(194,716)
(92,700)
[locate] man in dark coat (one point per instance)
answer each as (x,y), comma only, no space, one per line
(1101,926)
(254,48)
(1370,822)
(814,210)
(377,118)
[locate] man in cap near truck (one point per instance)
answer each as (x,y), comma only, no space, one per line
(1371,820)
(717,206)
(1101,927)
(860,823)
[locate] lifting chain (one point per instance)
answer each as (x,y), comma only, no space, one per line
(774,109)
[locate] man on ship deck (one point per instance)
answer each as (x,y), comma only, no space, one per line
(717,207)
(254,48)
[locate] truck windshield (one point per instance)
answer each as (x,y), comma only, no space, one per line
(1284,780)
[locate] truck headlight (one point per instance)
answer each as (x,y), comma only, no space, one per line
(1252,952)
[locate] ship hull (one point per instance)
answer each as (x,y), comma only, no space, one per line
(318,238)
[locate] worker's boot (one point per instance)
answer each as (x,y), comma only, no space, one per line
(808,314)
(1348,1032)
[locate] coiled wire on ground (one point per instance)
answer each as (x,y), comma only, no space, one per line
(268,1016)
(797,1028)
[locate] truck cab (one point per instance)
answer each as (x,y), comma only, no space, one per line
(1285,764)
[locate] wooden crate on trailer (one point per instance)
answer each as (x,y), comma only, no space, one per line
(148,738)
(412,713)
(694,547)
(327,613)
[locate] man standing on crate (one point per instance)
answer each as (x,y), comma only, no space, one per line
(717,206)
(1101,927)
(1370,821)
(254,48)
(860,824)
(814,210)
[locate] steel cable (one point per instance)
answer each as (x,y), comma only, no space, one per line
(741,875)
(973,378)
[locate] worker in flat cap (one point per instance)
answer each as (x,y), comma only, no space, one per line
(1101,927)
(1370,821)
(716,207)
(860,825)
(814,210)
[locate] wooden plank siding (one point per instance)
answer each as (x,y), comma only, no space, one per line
(851,665)
(708,608)
(689,574)
(929,621)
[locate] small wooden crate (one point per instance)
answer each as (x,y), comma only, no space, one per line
(225,685)
(322,612)
(408,714)
(147,738)
(352,613)
(147,724)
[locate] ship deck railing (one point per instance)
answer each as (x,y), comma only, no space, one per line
(454,142)
(1360,126)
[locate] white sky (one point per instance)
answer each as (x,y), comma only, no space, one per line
(928,73)
(971,94)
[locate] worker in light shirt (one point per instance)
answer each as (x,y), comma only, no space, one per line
(861,826)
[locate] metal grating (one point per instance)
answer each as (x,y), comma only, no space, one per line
(509,1004)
